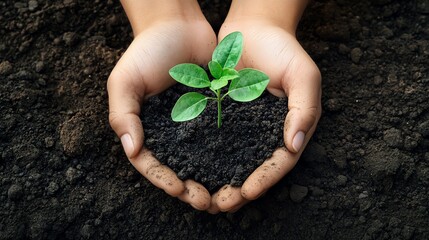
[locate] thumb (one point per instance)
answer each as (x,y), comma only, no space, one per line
(124,111)
(304,103)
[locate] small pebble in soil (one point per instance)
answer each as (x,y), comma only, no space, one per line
(365,205)
(393,138)
(356,55)
(5,68)
(15,192)
(72,175)
(364,194)
(384,163)
(298,193)
(26,152)
(53,188)
(40,65)
(70,38)
(341,180)
(333,105)
(49,142)
(86,231)
(32,5)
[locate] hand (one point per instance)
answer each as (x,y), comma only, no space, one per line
(275,51)
(143,72)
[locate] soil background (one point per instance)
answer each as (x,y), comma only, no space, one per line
(63,174)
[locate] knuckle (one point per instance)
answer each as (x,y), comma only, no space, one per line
(113,119)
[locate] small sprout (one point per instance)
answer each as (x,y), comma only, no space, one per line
(244,85)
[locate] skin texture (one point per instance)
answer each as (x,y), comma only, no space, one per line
(165,33)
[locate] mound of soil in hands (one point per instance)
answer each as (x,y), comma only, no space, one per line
(214,156)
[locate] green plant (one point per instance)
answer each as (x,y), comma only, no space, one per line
(246,84)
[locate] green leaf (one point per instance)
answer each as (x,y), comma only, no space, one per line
(228,52)
(249,86)
(215,69)
(229,77)
(229,71)
(229,74)
(190,75)
(218,84)
(188,107)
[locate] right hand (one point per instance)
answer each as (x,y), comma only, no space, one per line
(142,72)
(274,49)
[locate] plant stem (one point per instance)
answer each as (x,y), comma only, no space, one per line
(219,109)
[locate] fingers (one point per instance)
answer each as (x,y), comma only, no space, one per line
(273,169)
(214,208)
(166,179)
(227,199)
(159,175)
(268,174)
(124,110)
(163,177)
(304,103)
(196,195)
(263,178)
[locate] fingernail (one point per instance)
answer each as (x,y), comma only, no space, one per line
(128,144)
(298,140)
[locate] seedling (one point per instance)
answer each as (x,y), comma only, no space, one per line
(244,85)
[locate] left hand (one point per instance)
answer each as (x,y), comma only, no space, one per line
(142,72)
(275,51)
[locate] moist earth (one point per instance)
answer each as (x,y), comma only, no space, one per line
(213,156)
(64,175)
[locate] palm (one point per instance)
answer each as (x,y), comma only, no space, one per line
(153,52)
(275,52)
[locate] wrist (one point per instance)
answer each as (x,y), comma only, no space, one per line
(282,13)
(143,13)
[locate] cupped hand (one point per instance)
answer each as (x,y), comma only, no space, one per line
(142,72)
(276,51)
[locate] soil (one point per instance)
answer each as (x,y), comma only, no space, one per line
(213,156)
(63,173)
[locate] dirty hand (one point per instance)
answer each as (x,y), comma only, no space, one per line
(159,44)
(274,50)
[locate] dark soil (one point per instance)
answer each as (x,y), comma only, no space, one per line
(63,173)
(213,156)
